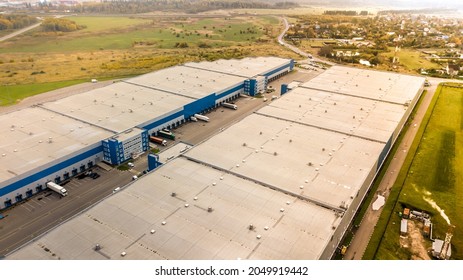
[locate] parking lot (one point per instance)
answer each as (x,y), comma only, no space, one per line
(30,218)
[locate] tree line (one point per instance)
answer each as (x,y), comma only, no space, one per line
(345,13)
(189,6)
(16,21)
(60,24)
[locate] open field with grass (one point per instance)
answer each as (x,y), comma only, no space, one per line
(412,60)
(121,46)
(430,180)
(11,94)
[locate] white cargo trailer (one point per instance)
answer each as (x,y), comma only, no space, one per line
(57,188)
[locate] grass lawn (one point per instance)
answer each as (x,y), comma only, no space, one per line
(11,94)
(432,179)
(411,59)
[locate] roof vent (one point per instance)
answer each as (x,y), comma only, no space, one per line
(30,133)
(186,205)
(251,227)
(266,227)
(214,183)
(299,105)
(173,194)
(301,187)
(260,133)
(15,150)
(258,236)
(130,111)
(221,178)
(152,231)
(133,98)
(50,140)
(123,254)
(94,100)
(326,111)
(112,105)
(163,223)
(12,129)
(3,155)
(282,210)
(209,209)
(244,144)
(275,153)
(195,198)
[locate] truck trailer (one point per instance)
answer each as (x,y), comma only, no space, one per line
(166,134)
(201,117)
(57,188)
(229,105)
(158,140)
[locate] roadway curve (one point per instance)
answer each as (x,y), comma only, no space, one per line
(282,42)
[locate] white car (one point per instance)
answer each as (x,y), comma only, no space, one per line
(131,164)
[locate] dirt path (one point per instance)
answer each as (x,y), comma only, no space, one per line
(362,237)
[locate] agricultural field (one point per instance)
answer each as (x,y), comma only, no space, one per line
(120,46)
(411,60)
(432,181)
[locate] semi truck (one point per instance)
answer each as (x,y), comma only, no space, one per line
(57,188)
(229,105)
(158,140)
(201,117)
(166,134)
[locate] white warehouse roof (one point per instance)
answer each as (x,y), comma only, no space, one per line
(290,169)
(350,115)
(35,137)
(119,106)
(332,178)
(185,81)
(376,85)
(131,221)
(246,67)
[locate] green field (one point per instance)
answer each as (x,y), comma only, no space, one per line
(121,46)
(431,179)
(11,94)
(109,33)
(412,59)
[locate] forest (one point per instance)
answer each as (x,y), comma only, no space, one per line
(16,21)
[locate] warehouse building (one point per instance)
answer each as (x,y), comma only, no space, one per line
(287,188)
(116,122)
